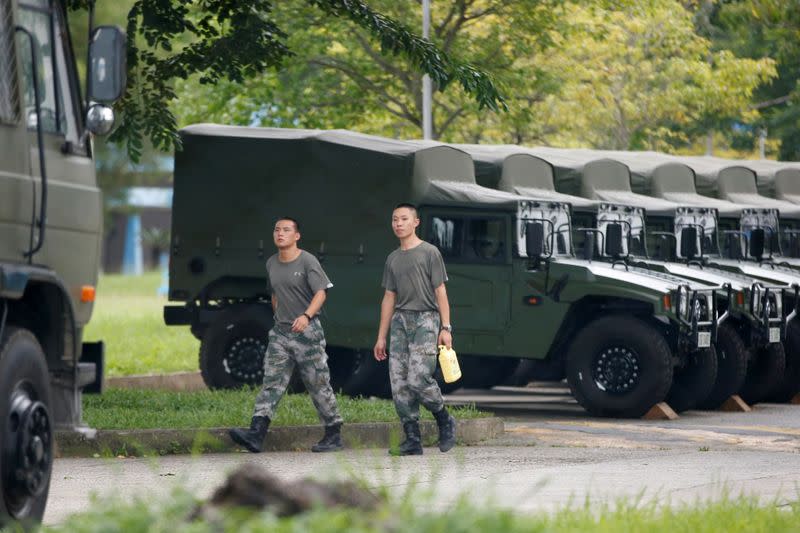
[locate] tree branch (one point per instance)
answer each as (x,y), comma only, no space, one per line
(362,81)
(774,101)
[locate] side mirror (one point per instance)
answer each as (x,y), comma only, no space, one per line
(757,243)
(107,68)
(614,240)
(689,243)
(534,239)
(99,119)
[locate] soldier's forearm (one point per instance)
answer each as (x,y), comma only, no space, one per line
(443,304)
(316,303)
(387,307)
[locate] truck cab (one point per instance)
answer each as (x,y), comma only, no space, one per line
(50,225)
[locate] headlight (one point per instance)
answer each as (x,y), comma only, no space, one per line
(773,305)
(683,303)
(756,300)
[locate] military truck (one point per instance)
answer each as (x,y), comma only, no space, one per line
(50,225)
(665,177)
(753,307)
(520,171)
(516,290)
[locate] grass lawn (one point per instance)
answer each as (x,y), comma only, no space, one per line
(144,409)
(128,317)
(411,512)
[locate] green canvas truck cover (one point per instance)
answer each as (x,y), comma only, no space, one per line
(588,174)
(512,169)
(776,179)
(729,180)
(662,176)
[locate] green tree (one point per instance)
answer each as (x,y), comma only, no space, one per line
(339,78)
(639,77)
(766,28)
(238,39)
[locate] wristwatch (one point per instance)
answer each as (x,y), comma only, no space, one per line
(448,328)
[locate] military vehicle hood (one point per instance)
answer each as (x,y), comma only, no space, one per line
(663,283)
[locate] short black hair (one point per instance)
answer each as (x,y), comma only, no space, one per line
(290,219)
(407,206)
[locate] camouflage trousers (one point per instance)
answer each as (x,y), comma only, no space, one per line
(412,362)
(306,350)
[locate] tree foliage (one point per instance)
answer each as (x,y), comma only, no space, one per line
(585,73)
(340,77)
(766,28)
(235,40)
(640,77)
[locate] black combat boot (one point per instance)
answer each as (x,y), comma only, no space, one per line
(447,429)
(332,441)
(253,438)
(413,443)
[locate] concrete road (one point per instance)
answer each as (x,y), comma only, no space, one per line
(551,454)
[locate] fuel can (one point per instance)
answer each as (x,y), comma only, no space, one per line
(449,363)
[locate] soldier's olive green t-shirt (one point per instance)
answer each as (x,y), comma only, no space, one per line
(294,284)
(414,275)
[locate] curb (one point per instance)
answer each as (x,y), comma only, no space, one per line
(150,442)
(176,381)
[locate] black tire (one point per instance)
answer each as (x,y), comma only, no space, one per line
(731,367)
(765,370)
(694,380)
(224,364)
(27,428)
(619,366)
(790,386)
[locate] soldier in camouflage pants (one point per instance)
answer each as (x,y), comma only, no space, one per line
(412,363)
(299,288)
(306,350)
(415,313)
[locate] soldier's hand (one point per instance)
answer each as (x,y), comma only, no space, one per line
(380,350)
(446,338)
(300,323)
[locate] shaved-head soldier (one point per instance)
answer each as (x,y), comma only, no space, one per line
(299,288)
(415,306)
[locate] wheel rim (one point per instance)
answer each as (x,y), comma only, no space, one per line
(616,370)
(28,451)
(244,359)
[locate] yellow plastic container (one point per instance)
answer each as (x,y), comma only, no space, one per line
(449,363)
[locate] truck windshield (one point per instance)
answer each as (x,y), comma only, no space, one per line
(9,101)
(766,219)
(556,220)
(632,222)
(35,16)
(704,221)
